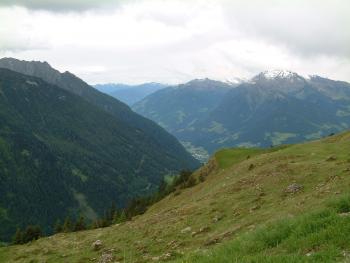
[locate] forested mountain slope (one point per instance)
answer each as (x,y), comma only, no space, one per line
(121,112)
(61,155)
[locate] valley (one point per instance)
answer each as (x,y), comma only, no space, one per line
(129,94)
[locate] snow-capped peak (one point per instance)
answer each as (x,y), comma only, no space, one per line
(277,73)
(234,80)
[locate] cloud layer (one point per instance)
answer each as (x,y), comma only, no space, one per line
(173,40)
(62,5)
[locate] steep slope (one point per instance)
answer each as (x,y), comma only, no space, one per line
(274,107)
(243,190)
(61,154)
(179,108)
(119,110)
(129,94)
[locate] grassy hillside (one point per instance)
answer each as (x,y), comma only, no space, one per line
(287,204)
(320,236)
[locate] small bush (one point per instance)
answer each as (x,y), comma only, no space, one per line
(201,178)
(29,234)
(191,181)
(273,235)
(342,205)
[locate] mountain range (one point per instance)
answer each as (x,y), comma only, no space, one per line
(68,149)
(275,107)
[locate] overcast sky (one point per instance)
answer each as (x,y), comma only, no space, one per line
(173,41)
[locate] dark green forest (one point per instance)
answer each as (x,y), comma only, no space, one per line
(60,155)
(112,215)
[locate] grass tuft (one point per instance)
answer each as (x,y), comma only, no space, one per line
(320,236)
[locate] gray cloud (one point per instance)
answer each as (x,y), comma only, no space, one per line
(63,5)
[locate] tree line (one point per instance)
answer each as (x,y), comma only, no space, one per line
(112,215)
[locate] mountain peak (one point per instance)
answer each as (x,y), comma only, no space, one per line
(15,62)
(200,80)
(278,73)
(33,68)
(204,84)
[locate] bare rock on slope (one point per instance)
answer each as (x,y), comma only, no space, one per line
(293,188)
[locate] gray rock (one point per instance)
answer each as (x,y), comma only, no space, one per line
(186,230)
(106,258)
(97,245)
(331,158)
(294,188)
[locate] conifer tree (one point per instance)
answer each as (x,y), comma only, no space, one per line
(122,217)
(112,211)
(80,224)
(31,233)
(67,226)
(18,237)
(58,228)
(115,216)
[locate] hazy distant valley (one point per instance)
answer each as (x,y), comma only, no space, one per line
(275,107)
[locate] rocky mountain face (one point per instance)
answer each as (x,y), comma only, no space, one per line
(272,108)
(61,154)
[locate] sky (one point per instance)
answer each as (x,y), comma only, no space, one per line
(174,41)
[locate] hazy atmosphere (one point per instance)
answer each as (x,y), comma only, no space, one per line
(173,41)
(175,131)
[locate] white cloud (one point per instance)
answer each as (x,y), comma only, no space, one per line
(173,41)
(15,32)
(307,27)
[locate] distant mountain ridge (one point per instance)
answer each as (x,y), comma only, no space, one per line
(129,94)
(179,108)
(274,107)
